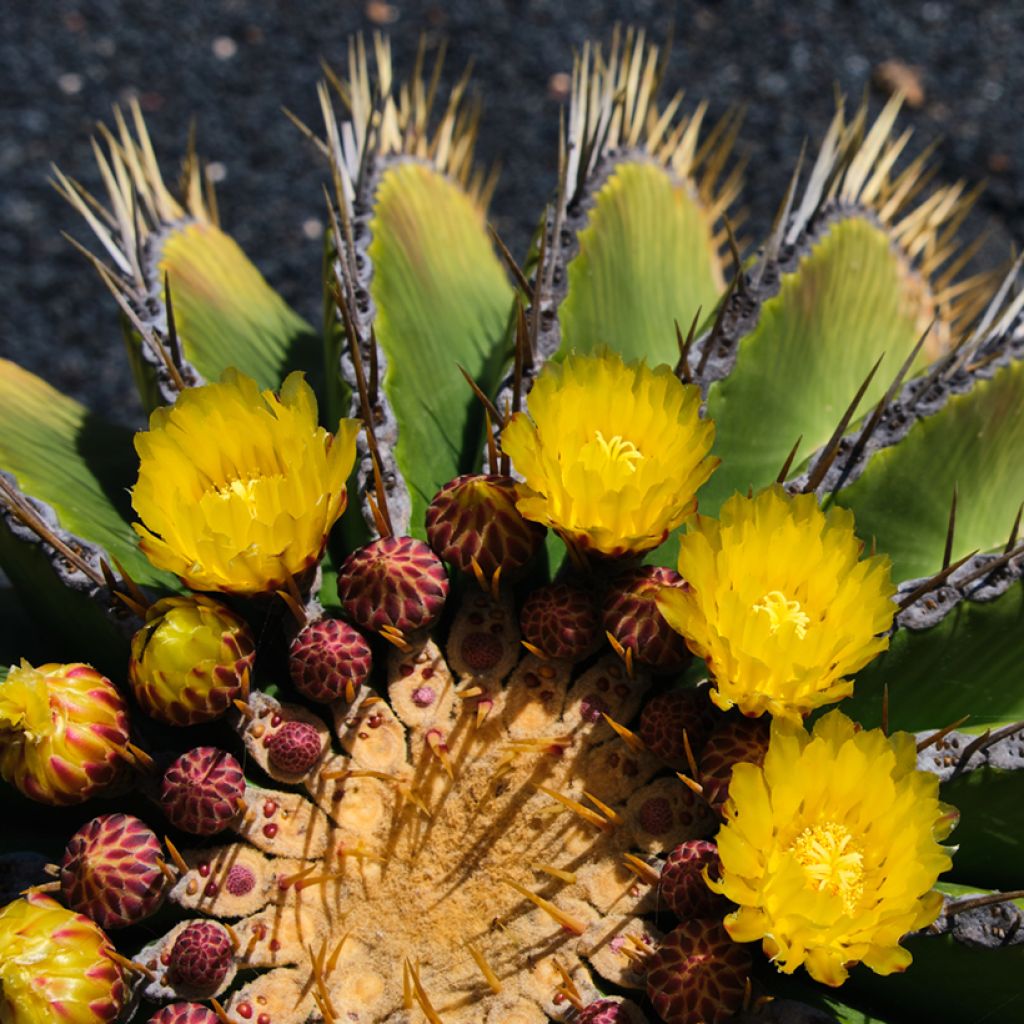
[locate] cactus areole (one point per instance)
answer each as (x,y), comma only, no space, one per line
(480,697)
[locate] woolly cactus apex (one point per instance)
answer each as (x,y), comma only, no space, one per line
(396,585)
(184,1013)
(698,974)
(682,888)
(638,630)
(200,958)
(294,748)
(190,660)
(111,871)
(201,791)
(733,741)
(561,621)
(63,732)
(329,660)
(56,966)
(670,716)
(474,519)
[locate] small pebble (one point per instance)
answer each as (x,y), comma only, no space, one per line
(224,47)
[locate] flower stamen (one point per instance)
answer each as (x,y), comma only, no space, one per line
(619,450)
(615,458)
(238,488)
(831,861)
(780,611)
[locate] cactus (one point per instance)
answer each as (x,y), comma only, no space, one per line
(687,496)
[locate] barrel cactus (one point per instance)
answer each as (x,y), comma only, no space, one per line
(617,635)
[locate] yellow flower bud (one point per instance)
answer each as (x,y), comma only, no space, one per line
(55,966)
(63,730)
(189,661)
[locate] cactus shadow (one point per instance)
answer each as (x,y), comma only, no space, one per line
(107,452)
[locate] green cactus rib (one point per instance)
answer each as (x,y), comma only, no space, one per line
(645,260)
(192,302)
(417,284)
(857,271)
(853,176)
(442,299)
(842,306)
(71,460)
(937,988)
(222,309)
(854,271)
(983,777)
(958,430)
(631,242)
(992,345)
(991,800)
(955,652)
(63,502)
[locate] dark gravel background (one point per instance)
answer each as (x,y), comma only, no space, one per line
(231,65)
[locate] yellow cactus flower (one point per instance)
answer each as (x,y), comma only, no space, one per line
(831,848)
(55,966)
(63,732)
(612,453)
(238,488)
(778,603)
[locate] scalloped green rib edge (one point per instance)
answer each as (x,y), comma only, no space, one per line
(967,664)
(79,464)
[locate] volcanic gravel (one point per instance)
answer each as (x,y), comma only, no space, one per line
(232,64)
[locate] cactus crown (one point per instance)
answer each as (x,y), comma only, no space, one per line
(471,822)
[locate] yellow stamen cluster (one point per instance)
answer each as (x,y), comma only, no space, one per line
(832,861)
(781,612)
